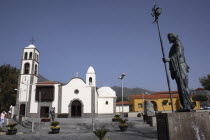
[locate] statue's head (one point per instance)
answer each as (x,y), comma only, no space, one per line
(172,37)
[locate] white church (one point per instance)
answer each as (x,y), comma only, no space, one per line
(77,98)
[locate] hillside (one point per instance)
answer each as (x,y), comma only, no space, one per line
(129,91)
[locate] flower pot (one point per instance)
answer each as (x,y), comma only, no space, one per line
(11,131)
(55,130)
(45,120)
(123,127)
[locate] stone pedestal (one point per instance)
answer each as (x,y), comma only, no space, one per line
(151,120)
(183,126)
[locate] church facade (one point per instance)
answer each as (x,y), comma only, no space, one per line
(77,98)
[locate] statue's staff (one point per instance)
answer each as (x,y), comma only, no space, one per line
(156,12)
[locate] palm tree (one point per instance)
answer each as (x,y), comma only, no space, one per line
(100,133)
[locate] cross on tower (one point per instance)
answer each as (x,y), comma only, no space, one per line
(32,40)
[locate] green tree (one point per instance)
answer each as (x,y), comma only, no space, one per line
(119,99)
(8,82)
(205,82)
(200,97)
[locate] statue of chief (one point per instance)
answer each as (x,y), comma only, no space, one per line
(179,71)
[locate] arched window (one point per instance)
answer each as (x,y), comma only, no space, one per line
(37,57)
(90,81)
(35,72)
(30,56)
(26,68)
(107,102)
(26,55)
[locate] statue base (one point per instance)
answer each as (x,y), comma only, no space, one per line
(183,126)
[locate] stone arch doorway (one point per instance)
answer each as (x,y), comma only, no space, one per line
(154,105)
(76,108)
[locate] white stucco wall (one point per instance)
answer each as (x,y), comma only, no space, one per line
(125,108)
(55,102)
(34,103)
(24,88)
(68,95)
(106,94)
(104,108)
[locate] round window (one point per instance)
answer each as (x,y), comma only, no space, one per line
(76,91)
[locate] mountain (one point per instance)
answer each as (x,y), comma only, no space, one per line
(42,79)
(129,91)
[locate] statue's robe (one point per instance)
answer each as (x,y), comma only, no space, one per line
(179,71)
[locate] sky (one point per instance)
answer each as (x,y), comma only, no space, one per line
(113,36)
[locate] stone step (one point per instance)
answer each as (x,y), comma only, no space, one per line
(84,123)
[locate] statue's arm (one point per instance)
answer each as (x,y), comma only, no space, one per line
(166,59)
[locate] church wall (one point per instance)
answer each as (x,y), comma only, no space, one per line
(68,94)
(55,102)
(96,101)
(33,104)
(24,88)
(104,108)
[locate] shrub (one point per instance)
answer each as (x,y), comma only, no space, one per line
(1,130)
(11,126)
(123,122)
(100,133)
(54,124)
(116,116)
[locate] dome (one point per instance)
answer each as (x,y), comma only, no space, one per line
(90,70)
(106,92)
(31,46)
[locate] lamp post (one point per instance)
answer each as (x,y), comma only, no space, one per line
(121,77)
(143,103)
(39,110)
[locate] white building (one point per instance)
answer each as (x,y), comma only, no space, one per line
(77,98)
(124,108)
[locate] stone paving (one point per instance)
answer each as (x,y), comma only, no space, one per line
(139,132)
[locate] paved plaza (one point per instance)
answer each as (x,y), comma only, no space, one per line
(71,129)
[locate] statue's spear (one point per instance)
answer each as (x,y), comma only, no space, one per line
(155,13)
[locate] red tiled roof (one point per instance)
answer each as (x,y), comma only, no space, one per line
(199,89)
(124,103)
(154,96)
(47,82)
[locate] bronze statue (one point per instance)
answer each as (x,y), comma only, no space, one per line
(179,71)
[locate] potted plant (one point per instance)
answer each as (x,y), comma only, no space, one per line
(116,117)
(11,130)
(100,133)
(55,129)
(123,126)
(45,120)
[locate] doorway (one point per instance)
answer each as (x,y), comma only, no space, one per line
(22,109)
(44,112)
(76,109)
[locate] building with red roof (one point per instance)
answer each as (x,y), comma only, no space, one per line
(160,100)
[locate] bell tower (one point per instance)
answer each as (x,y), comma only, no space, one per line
(91,77)
(27,79)
(91,84)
